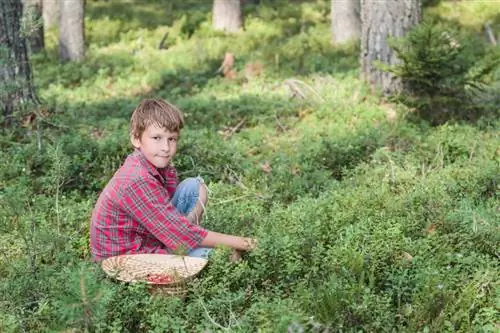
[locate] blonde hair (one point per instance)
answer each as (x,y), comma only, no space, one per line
(155,112)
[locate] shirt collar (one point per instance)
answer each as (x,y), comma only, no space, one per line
(139,155)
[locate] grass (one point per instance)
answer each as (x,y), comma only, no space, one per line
(367,220)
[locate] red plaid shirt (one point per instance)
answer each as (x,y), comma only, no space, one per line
(134,215)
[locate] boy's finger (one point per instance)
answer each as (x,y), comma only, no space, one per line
(235,256)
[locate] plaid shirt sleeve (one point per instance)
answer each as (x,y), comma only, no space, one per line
(148,203)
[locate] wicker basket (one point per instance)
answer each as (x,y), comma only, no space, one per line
(142,267)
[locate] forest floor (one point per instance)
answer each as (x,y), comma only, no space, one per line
(368,219)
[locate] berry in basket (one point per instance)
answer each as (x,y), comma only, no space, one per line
(160,278)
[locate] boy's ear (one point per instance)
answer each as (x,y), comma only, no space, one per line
(136,142)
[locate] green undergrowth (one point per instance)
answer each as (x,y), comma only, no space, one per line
(366,221)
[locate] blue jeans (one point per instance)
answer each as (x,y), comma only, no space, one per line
(185,198)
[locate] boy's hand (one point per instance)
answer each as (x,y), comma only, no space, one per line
(251,244)
(235,256)
(214,239)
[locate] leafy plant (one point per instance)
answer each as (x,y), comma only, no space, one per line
(443,70)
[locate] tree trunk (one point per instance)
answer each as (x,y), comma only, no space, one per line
(346,20)
(227,15)
(71,31)
(33,13)
(16,85)
(381,20)
(51,13)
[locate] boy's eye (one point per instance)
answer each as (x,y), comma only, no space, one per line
(172,139)
(156,138)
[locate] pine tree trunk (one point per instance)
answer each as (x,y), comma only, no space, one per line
(71,31)
(227,15)
(380,20)
(33,9)
(51,13)
(346,20)
(16,85)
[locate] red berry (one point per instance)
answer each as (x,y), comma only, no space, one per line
(160,278)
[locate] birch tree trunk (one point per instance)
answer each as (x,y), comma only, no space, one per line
(71,31)
(51,13)
(381,20)
(16,85)
(33,12)
(346,20)
(227,15)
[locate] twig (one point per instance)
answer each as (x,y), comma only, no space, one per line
(39,134)
(211,319)
(231,200)
(295,89)
(234,129)
(293,84)
(163,40)
(490,34)
(236,178)
(471,154)
(283,128)
(391,163)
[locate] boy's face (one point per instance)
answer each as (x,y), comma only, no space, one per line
(158,144)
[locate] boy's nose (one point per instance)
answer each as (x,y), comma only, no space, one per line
(166,146)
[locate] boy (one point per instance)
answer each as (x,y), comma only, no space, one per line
(142,209)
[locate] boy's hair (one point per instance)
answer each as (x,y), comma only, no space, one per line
(155,112)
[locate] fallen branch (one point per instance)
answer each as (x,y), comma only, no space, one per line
(280,125)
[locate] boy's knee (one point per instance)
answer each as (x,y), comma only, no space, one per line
(203,193)
(189,184)
(196,184)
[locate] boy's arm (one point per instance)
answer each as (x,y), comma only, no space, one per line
(147,202)
(238,243)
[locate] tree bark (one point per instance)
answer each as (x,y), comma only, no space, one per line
(72,31)
(381,20)
(346,20)
(33,11)
(51,13)
(16,84)
(227,15)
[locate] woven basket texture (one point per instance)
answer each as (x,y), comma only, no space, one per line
(140,268)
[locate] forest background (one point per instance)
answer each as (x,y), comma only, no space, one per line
(374,212)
